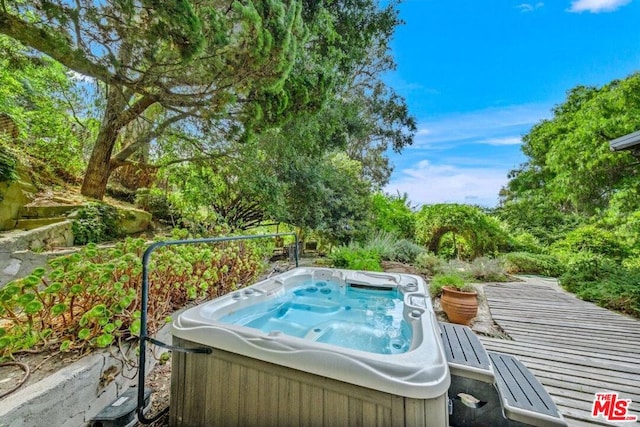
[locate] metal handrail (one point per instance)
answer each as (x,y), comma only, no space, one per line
(144,305)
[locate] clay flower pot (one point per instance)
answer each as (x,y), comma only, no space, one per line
(459,306)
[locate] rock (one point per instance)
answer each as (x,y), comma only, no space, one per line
(13,196)
(133,220)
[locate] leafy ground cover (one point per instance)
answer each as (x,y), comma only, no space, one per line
(91,298)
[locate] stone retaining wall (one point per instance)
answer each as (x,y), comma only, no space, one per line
(75,394)
(22,251)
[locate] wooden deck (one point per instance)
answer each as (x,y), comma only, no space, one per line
(574,348)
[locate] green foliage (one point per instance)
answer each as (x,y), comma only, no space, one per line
(156,202)
(570,166)
(91,299)
(452,280)
(7,166)
(454,245)
(536,214)
(485,269)
(532,263)
(380,246)
(393,214)
(430,263)
(526,242)
(406,251)
(481,232)
(354,257)
(598,279)
(94,223)
(382,243)
(592,239)
(253,65)
(44,102)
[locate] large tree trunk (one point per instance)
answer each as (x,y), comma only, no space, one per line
(116,117)
(98,169)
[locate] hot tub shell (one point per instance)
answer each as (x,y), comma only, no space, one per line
(257,378)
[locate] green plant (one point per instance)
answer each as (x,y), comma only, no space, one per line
(488,270)
(91,298)
(406,251)
(393,214)
(8,164)
(526,242)
(481,233)
(524,262)
(590,238)
(595,278)
(94,223)
(457,267)
(382,243)
(440,281)
(429,263)
(156,202)
(354,257)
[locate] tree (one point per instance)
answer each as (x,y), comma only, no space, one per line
(221,64)
(45,109)
(569,159)
(393,214)
(360,116)
(219,73)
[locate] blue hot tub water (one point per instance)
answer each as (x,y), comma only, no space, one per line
(362,318)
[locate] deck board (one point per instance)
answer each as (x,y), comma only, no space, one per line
(573,347)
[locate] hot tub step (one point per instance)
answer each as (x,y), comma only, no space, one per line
(524,399)
(465,353)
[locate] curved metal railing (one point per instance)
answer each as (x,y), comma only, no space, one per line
(144,338)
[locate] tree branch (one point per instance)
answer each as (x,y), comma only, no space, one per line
(56,46)
(127,151)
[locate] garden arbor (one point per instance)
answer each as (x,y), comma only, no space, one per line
(480,231)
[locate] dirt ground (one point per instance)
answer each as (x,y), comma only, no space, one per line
(159,378)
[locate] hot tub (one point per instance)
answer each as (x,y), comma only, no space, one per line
(313,346)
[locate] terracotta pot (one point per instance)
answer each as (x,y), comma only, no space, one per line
(460,307)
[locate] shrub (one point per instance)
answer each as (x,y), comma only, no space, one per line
(94,223)
(454,246)
(157,204)
(591,239)
(382,243)
(598,279)
(389,247)
(457,267)
(8,164)
(440,281)
(632,262)
(429,263)
(354,257)
(524,262)
(487,270)
(526,242)
(393,214)
(91,299)
(406,251)
(481,233)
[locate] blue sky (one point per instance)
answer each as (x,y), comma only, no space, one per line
(478,74)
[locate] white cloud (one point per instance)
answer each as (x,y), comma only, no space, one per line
(495,126)
(528,7)
(507,140)
(597,6)
(426,183)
